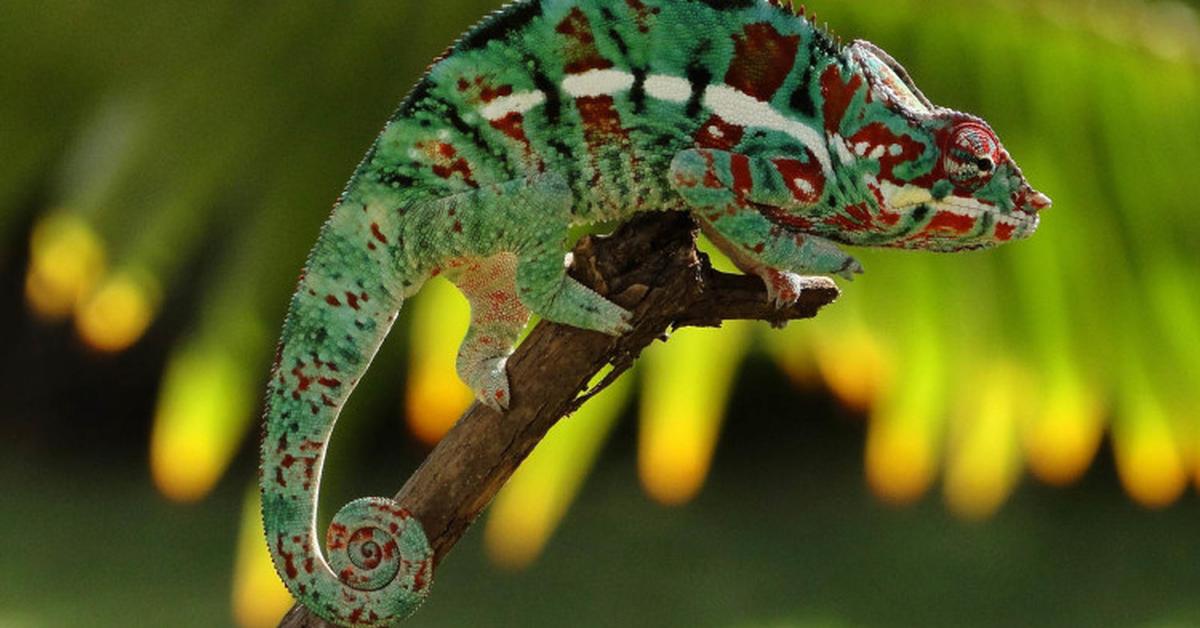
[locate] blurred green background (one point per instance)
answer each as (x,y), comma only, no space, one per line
(988,439)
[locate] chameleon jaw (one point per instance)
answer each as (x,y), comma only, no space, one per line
(988,225)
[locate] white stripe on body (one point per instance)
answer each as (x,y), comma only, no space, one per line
(728,103)
(513,103)
(597,83)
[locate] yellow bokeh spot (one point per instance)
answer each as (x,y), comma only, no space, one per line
(1062,441)
(684,393)
(904,430)
(982,459)
(259,597)
(854,366)
(117,314)
(519,526)
(435,398)
(674,459)
(899,460)
(207,398)
(66,257)
(1149,462)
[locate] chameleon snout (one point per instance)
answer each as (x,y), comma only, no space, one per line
(1031,201)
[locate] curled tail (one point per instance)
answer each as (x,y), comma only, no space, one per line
(380,563)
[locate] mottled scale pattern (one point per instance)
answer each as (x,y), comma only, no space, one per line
(780,141)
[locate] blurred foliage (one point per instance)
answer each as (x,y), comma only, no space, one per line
(176,151)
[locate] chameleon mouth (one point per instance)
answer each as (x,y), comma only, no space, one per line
(987,219)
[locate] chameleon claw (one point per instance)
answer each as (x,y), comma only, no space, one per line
(851,268)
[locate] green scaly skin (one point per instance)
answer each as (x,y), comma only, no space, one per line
(554,113)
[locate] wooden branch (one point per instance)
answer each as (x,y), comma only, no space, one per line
(650,266)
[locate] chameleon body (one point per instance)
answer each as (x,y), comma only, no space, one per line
(552,113)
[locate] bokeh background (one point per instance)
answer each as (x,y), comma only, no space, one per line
(989,439)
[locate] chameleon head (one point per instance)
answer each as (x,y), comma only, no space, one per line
(945,175)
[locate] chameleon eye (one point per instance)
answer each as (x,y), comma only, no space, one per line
(970,156)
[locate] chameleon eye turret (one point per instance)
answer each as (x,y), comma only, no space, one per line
(971,156)
(782,144)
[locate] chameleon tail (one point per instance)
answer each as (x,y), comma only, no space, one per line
(380,563)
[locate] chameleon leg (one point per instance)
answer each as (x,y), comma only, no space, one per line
(497,318)
(543,286)
(542,281)
(752,208)
(529,218)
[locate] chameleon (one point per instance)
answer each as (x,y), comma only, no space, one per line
(782,143)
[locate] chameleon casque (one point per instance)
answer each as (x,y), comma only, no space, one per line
(553,113)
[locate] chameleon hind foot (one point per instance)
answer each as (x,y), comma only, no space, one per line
(497,318)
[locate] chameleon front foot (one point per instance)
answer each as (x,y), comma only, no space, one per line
(488,379)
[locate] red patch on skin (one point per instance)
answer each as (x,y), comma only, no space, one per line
(855,217)
(352,300)
(332,300)
(497,299)
(762,59)
(329,382)
(837,96)
(420,579)
(782,286)
(487,93)
(1004,232)
(725,137)
(792,170)
(875,135)
(710,171)
(447,165)
(460,166)
(279,477)
(581,54)
(499,395)
(948,221)
(642,14)
(289,566)
(512,125)
(739,167)
(600,118)
(377,233)
(457,228)
(601,128)
(309,462)
(336,539)
(302,380)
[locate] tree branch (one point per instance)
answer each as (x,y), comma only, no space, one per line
(650,266)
